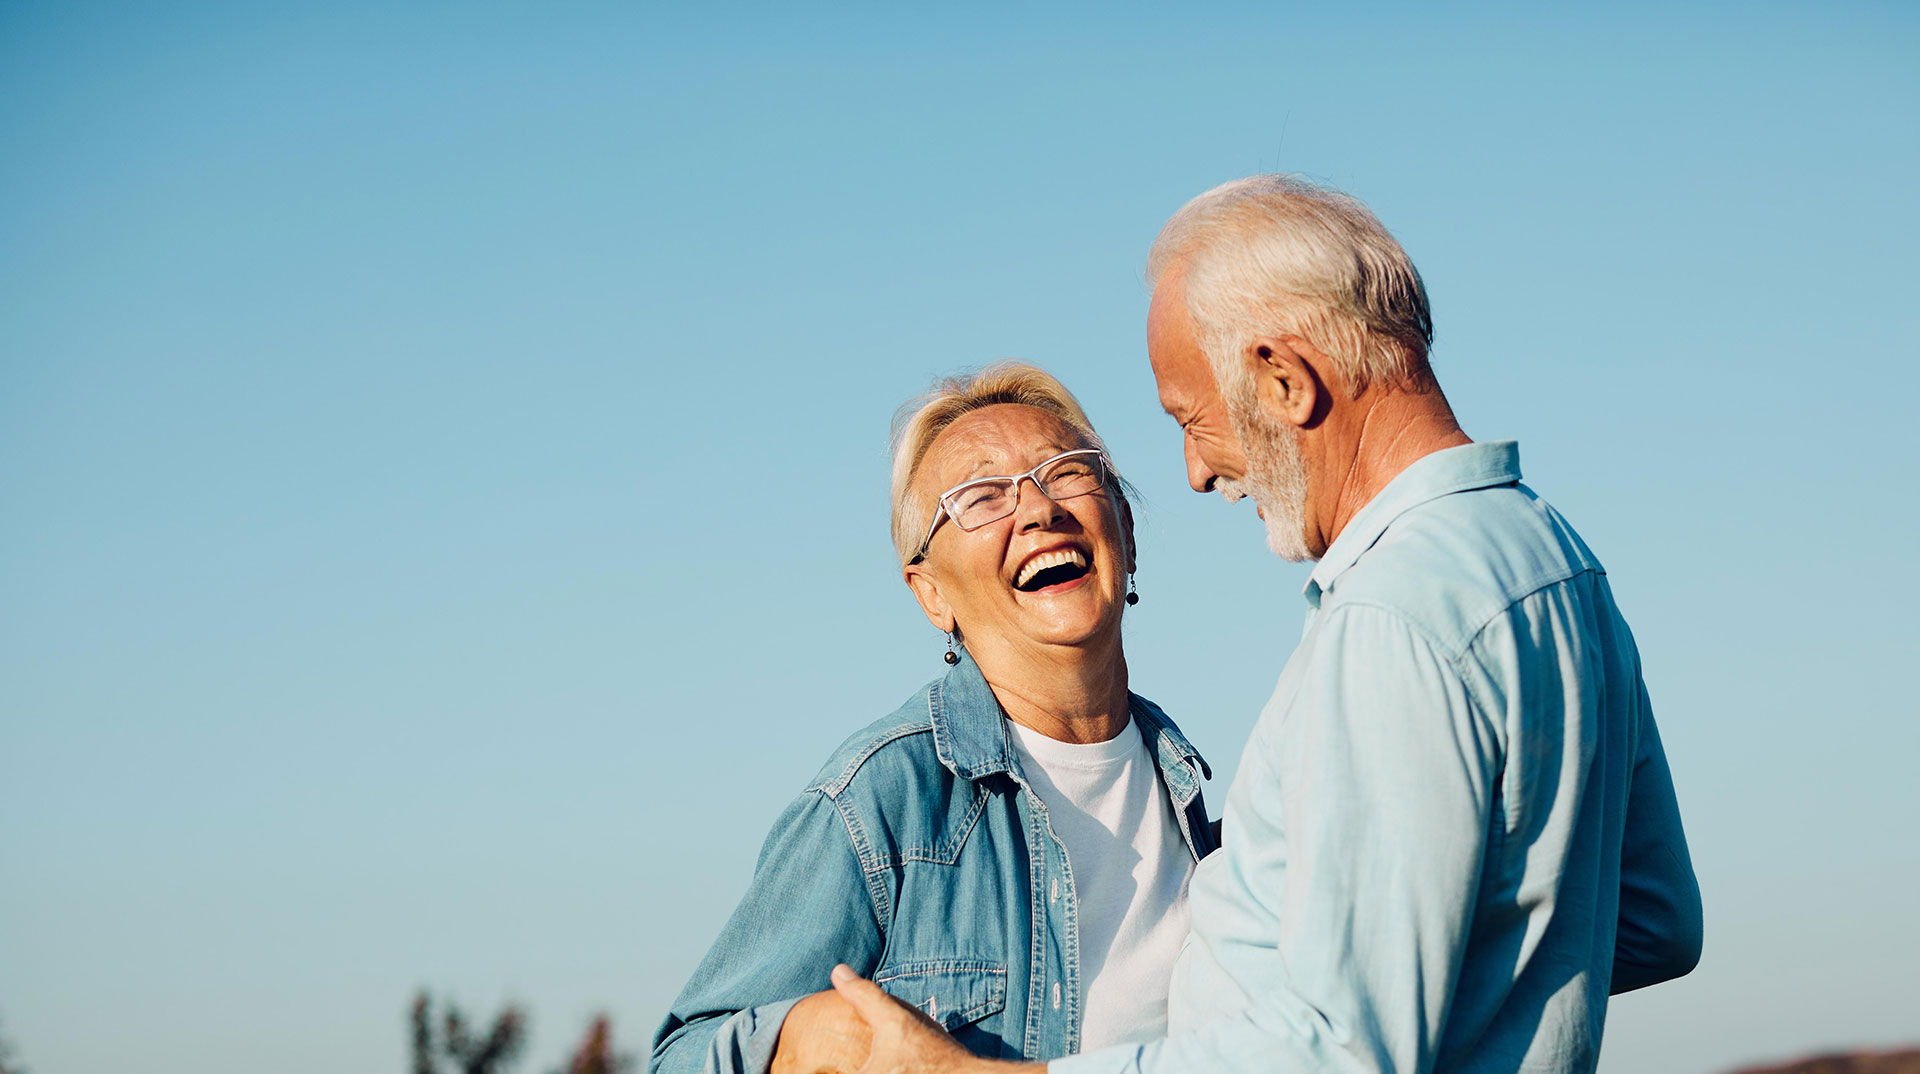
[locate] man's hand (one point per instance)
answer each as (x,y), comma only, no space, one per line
(822,1035)
(905,1041)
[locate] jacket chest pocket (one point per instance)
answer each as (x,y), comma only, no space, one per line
(953,992)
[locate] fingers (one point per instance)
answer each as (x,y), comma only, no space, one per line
(867,999)
(877,1008)
(904,1039)
(822,1034)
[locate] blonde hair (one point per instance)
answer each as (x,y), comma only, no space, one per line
(1276,253)
(920,421)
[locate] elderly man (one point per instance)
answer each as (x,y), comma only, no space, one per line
(1453,833)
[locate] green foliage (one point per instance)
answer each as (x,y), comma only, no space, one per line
(489,1053)
(456,1049)
(8,1065)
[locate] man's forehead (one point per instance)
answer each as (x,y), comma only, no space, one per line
(1168,300)
(1180,370)
(1173,399)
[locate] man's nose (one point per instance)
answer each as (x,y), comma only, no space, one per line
(1198,474)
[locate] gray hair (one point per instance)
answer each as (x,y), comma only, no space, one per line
(920,421)
(1276,253)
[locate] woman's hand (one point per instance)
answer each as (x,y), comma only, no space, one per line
(906,1041)
(822,1035)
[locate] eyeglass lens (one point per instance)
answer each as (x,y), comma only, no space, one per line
(992,499)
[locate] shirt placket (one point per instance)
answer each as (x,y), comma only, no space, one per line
(1056,993)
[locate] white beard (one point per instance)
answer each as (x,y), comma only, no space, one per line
(1276,474)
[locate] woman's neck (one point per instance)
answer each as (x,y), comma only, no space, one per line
(1069,693)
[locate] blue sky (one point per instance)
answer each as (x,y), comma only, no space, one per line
(443,449)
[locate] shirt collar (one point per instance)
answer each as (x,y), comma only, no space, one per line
(970,736)
(1447,471)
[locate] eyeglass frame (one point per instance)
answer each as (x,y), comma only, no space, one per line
(940,503)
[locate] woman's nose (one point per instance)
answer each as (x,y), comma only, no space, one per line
(1033,508)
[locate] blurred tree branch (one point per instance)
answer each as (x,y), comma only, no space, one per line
(488,1055)
(596,1055)
(7,1063)
(501,1045)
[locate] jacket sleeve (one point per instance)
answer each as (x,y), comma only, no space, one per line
(1660,925)
(808,907)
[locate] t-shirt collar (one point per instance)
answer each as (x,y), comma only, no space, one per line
(971,740)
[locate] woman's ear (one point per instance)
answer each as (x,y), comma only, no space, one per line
(1126,530)
(926,590)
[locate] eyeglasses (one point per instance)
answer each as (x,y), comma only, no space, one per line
(972,504)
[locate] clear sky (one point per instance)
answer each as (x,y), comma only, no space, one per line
(442,449)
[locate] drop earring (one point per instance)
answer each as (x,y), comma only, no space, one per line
(1133,594)
(951,657)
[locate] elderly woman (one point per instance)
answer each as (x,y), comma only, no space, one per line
(1008,851)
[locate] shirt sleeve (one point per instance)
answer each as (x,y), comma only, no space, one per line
(807,908)
(1381,771)
(1660,927)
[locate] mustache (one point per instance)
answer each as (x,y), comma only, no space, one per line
(1230,490)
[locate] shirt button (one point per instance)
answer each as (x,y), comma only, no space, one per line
(1056,995)
(1056,889)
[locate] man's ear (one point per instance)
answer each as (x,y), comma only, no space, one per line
(926,590)
(1285,374)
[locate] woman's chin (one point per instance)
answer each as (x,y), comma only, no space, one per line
(1089,624)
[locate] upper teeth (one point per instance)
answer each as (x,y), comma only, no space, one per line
(1058,558)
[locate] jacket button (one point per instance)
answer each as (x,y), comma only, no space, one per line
(1056,889)
(1056,995)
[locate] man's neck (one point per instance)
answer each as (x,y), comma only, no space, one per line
(1398,429)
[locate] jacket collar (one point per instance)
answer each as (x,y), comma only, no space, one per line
(1163,738)
(970,734)
(1443,473)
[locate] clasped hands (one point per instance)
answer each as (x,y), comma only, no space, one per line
(858,1029)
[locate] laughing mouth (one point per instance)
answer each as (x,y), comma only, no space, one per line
(1052,568)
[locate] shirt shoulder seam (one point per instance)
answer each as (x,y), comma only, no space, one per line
(877,894)
(1525,590)
(1452,660)
(837,785)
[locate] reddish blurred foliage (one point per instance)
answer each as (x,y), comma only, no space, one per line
(596,1055)
(1905,1061)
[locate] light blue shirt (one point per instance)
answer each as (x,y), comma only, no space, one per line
(1453,832)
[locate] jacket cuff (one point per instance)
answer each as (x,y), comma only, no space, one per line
(744,1043)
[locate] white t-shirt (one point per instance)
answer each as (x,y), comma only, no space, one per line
(1130,868)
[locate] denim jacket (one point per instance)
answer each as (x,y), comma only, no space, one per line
(922,858)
